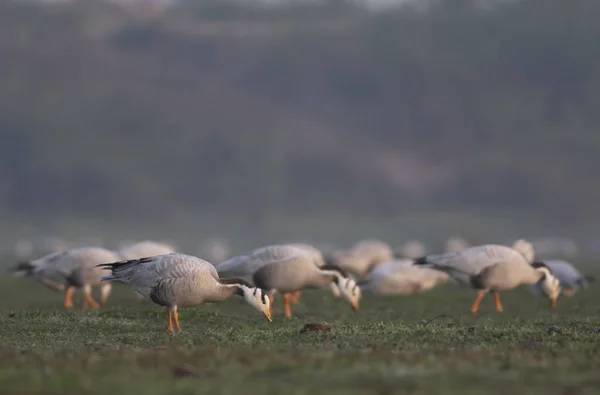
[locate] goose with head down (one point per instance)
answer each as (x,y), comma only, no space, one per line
(297,272)
(179,280)
(73,269)
(495,268)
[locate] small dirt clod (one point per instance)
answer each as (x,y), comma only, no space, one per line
(314,327)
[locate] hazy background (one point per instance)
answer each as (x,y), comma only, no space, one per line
(267,121)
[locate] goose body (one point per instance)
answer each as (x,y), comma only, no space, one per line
(178,280)
(297,272)
(494,268)
(400,277)
(75,269)
(571,280)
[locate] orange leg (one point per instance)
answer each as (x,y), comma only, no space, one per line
(497,301)
(90,301)
(477,301)
(85,303)
(286,305)
(170,324)
(295,297)
(69,297)
(271,299)
(176,317)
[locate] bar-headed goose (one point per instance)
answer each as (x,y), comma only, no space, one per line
(178,280)
(297,272)
(75,269)
(495,268)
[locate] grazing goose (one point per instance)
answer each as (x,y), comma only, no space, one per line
(178,280)
(245,266)
(570,279)
(363,257)
(495,268)
(297,272)
(400,277)
(76,269)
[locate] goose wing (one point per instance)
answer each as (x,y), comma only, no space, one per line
(144,273)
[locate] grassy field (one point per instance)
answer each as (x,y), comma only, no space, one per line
(388,347)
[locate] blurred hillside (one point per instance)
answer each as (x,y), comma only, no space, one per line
(262,113)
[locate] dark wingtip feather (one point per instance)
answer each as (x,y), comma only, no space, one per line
(23,266)
(420,261)
(590,279)
(117,265)
(537,264)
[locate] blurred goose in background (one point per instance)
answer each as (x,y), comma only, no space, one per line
(75,269)
(570,279)
(215,250)
(298,271)
(245,266)
(26,250)
(401,277)
(179,280)
(495,268)
(365,256)
(412,249)
(454,244)
(144,249)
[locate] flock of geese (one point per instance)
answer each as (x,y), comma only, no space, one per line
(175,280)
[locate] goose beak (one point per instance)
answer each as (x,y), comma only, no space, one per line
(268,315)
(355,305)
(553,303)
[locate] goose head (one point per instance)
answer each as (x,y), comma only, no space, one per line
(259,299)
(549,284)
(349,290)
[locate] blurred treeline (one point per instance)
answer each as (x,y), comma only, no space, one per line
(258,111)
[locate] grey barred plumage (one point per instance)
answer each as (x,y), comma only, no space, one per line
(178,280)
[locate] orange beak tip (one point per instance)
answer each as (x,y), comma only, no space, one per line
(268,316)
